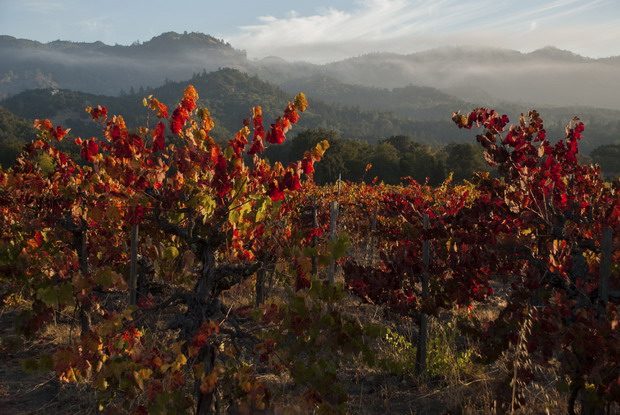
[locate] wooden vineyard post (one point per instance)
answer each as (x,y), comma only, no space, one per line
(332,236)
(315,224)
(82,240)
(80,245)
(605,269)
(371,247)
(264,280)
(133,266)
(422,339)
(333,227)
(260,285)
(310,218)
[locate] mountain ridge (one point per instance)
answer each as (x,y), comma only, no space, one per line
(548,75)
(186,39)
(399,93)
(230,94)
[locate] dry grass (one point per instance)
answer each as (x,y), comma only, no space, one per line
(36,393)
(455,382)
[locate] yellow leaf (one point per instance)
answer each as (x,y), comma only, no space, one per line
(141,375)
(102,384)
(301,103)
(171,252)
(198,369)
(228,153)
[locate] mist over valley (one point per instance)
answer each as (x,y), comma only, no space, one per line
(369,97)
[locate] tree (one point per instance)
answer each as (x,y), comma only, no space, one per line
(385,163)
(12,126)
(421,164)
(412,160)
(308,138)
(463,159)
(402,143)
(345,158)
(14,133)
(9,150)
(608,157)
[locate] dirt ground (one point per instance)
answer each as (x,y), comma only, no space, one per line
(371,391)
(24,393)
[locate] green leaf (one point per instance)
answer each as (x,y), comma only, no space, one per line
(327,321)
(46,362)
(49,296)
(30,365)
(298,306)
(65,294)
(177,217)
(261,208)
(208,204)
(301,373)
(310,252)
(228,153)
(234,216)
(369,356)
(325,260)
(107,278)
(171,252)
(375,330)
(240,185)
(43,364)
(104,278)
(340,246)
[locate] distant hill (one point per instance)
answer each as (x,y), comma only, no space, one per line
(430,104)
(102,69)
(369,97)
(14,133)
(481,75)
(417,102)
(548,76)
(230,95)
(13,127)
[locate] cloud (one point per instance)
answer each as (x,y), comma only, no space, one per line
(40,6)
(101,23)
(406,26)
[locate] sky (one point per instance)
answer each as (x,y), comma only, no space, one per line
(321,31)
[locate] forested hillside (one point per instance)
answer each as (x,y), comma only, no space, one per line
(227,93)
(362,135)
(14,133)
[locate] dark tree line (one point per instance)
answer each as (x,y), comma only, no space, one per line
(392,159)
